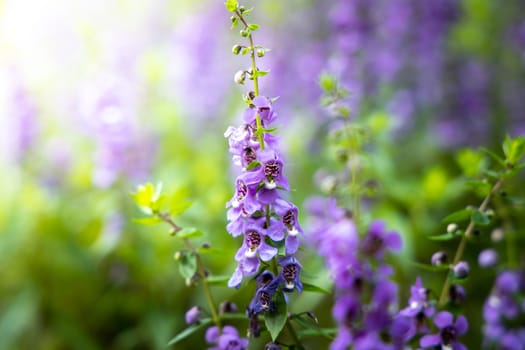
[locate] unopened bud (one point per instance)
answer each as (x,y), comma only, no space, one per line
(260,52)
(461,270)
(205,246)
(456,294)
(177,255)
(193,315)
(244,33)
(240,77)
(489,212)
(451,228)
(497,234)
(236,49)
(228,307)
(272,346)
(242,9)
(439,258)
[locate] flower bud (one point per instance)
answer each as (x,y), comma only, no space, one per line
(260,52)
(177,255)
(461,270)
(236,49)
(228,307)
(244,33)
(439,258)
(193,315)
(242,9)
(456,294)
(240,77)
(497,234)
(451,228)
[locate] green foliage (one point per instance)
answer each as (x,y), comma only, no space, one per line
(275,319)
(190,330)
(231,5)
(187,264)
(514,149)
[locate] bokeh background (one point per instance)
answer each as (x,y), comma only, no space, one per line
(98,96)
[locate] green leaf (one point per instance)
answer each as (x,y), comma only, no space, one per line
(188,264)
(460,215)
(478,185)
(153,220)
(276,318)
(444,237)
(189,331)
(327,82)
(144,195)
(253,26)
(231,5)
(307,287)
(190,232)
(480,218)
(235,21)
(514,149)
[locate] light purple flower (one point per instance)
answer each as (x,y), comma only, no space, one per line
(448,332)
(228,339)
(291,268)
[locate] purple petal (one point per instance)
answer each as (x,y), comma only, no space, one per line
(212,334)
(461,324)
(394,241)
(235,279)
(430,340)
(267,252)
(443,319)
(292,244)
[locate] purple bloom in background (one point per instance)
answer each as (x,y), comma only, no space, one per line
(228,339)
(488,258)
(503,309)
(448,332)
(377,241)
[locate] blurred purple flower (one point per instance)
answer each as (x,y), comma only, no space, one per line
(449,331)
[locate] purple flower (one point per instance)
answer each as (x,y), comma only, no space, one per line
(488,258)
(267,285)
(377,241)
(461,270)
(448,332)
(227,340)
(290,274)
(253,245)
(418,310)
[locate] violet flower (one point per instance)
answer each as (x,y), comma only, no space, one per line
(228,339)
(448,332)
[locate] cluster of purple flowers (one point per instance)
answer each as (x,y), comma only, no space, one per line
(504,312)
(258,211)
(366,298)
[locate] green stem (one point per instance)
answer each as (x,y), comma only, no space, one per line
(465,237)
(201,271)
(254,76)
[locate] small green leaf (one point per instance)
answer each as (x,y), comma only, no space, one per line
(460,215)
(231,5)
(276,318)
(235,21)
(478,185)
(444,237)
(307,287)
(188,264)
(190,330)
(328,82)
(253,26)
(153,220)
(514,149)
(144,195)
(480,218)
(190,232)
